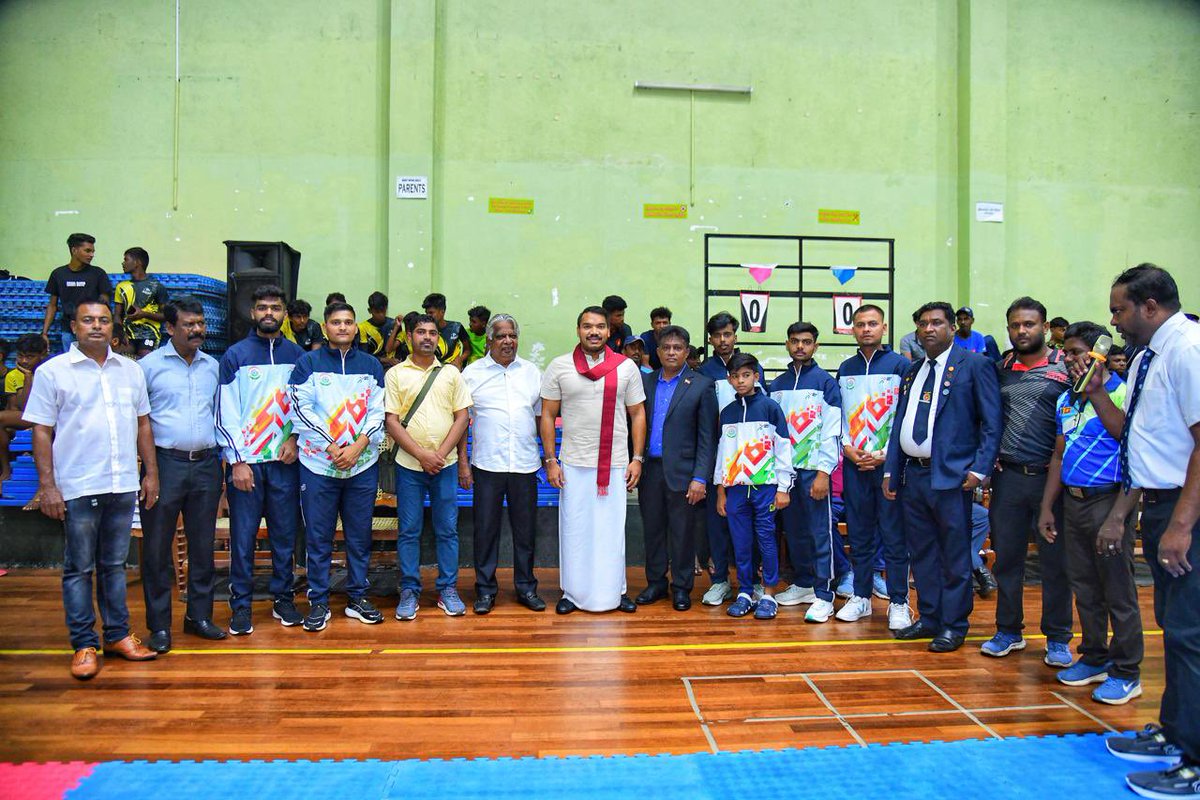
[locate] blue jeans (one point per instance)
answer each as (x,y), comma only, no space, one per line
(97,532)
(751,516)
(411,487)
(321,500)
(276,493)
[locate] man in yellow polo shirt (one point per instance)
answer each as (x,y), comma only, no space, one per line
(426,406)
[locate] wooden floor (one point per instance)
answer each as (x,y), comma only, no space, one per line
(515,683)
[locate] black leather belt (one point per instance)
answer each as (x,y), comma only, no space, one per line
(1161,495)
(921,462)
(1025,469)
(1084,492)
(189,455)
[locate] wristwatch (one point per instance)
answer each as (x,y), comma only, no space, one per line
(640,459)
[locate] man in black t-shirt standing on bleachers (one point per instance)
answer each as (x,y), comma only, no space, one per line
(72,283)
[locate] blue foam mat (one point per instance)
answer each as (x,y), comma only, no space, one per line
(1069,766)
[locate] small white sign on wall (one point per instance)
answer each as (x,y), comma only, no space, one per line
(412,187)
(989,212)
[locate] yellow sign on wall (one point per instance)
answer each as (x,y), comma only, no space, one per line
(664,211)
(509,205)
(835,216)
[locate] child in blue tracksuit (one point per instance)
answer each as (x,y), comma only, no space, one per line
(811,404)
(753,476)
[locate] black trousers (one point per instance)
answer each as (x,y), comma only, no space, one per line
(1177,610)
(1104,588)
(491,490)
(193,488)
(669,524)
(937,528)
(1013,514)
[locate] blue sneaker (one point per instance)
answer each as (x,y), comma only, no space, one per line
(766,608)
(451,603)
(845,587)
(408,605)
(740,607)
(1117,692)
(1058,654)
(1081,674)
(1002,644)
(879,587)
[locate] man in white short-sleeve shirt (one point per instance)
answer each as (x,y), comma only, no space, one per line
(91,420)
(594,389)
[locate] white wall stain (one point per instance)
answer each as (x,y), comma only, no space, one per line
(71,211)
(554,296)
(537,354)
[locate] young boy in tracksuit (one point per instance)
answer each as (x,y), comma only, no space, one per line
(812,406)
(254,429)
(337,397)
(753,477)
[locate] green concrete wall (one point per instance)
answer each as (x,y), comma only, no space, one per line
(295,117)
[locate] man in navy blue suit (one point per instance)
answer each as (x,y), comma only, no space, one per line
(947,434)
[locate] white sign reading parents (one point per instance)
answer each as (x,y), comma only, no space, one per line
(412,187)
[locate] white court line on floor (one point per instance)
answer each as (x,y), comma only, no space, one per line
(844,719)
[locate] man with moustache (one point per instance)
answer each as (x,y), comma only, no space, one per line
(596,390)
(679,463)
(506,390)
(182,384)
(254,429)
(1032,378)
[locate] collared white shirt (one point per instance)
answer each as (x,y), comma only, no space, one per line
(182,398)
(504,435)
(94,411)
(1160,442)
(907,444)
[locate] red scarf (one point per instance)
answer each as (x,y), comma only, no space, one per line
(606,369)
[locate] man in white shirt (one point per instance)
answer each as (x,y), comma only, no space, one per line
(504,460)
(595,388)
(1160,456)
(89,477)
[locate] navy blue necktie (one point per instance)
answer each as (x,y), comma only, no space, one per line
(1135,395)
(921,423)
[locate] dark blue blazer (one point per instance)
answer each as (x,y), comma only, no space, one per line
(689,429)
(967,423)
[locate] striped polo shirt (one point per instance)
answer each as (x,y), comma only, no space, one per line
(1090,454)
(1030,397)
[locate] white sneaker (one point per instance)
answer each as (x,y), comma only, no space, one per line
(899,616)
(757,594)
(856,608)
(796,595)
(819,611)
(717,593)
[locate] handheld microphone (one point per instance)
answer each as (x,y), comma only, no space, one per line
(1099,355)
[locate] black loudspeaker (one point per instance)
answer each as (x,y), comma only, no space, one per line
(255,264)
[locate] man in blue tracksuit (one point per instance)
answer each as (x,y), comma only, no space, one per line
(337,399)
(870,383)
(722,336)
(254,429)
(812,405)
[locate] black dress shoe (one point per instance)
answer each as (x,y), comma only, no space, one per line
(946,641)
(159,641)
(651,594)
(565,606)
(627,605)
(985,581)
(531,601)
(918,630)
(203,628)
(484,603)
(680,600)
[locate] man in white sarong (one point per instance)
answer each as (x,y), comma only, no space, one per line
(593,388)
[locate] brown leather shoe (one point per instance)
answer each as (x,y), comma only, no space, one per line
(130,648)
(85,663)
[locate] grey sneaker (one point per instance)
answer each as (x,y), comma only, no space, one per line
(451,603)
(408,605)
(284,610)
(363,611)
(1181,780)
(717,594)
(1146,746)
(795,595)
(318,615)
